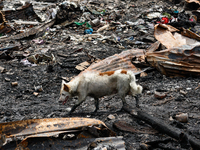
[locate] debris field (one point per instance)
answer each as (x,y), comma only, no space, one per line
(43,42)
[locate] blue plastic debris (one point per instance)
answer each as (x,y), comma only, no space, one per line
(176,11)
(131,38)
(88,31)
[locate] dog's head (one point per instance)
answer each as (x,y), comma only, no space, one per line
(64,92)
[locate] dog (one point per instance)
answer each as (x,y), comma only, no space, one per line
(96,85)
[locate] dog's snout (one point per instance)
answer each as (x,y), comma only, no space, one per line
(60,99)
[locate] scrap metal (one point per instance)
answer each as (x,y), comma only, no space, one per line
(169,37)
(181,58)
(50,127)
(5,28)
(190,34)
(193,1)
(115,143)
(192,4)
(124,60)
(177,61)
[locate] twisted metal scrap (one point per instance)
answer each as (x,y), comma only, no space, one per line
(41,126)
(4,27)
(179,61)
(181,58)
(48,127)
(119,61)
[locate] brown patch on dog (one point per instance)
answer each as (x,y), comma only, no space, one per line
(123,72)
(66,88)
(109,73)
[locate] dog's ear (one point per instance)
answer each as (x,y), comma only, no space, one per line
(66,88)
(63,82)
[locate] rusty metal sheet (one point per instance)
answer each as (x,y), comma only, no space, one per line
(165,36)
(36,126)
(78,144)
(48,127)
(153,47)
(169,40)
(124,60)
(179,61)
(5,28)
(192,4)
(193,1)
(190,34)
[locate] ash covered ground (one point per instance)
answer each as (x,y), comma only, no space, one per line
(19,102)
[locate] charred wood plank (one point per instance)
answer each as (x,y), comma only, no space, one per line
(124,126)
(162,144)
(33,31)
(162,127)
(26,12)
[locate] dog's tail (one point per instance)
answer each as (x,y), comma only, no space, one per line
(135,89)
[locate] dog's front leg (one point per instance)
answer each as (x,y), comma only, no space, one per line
(96,104)
(75,106)
(81,98)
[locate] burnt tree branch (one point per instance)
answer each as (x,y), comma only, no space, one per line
(162,127)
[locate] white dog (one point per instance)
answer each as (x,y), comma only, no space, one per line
(97,85)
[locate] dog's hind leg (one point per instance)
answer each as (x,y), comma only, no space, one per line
(96,104)
(123,101)
(137,101)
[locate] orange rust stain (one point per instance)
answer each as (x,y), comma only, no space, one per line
(123,72)
(24,144)
(66,88)
(109,73)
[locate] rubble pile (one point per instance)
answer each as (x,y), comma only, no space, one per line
(43,42)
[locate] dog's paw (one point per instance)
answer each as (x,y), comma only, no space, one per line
(68,109)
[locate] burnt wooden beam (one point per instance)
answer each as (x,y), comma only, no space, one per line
(161,126)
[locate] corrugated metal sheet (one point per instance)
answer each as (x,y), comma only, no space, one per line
(119,61)
(50,127)
(180,61)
